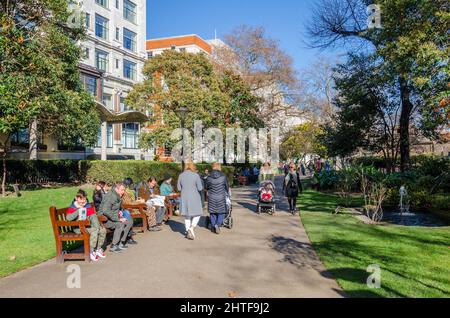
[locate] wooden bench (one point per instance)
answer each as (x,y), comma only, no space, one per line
(64,232)
(137,211)
(170,206)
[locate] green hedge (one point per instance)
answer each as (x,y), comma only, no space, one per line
(75,171)
(41,171)
(113,171)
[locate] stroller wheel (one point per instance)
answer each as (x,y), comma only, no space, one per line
(230,223)
(258,209)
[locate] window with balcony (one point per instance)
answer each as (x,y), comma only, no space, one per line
(129,70)
(130,136)
(129,11)
(129,40)
(103,3)
(101,27)
(101,60)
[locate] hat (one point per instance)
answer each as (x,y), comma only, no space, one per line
(167,176)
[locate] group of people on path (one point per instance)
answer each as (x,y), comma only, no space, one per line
(191,187)
(109,200)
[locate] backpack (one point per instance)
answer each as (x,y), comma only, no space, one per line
(292,183)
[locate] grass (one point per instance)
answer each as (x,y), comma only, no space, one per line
(26,235)
(414,261)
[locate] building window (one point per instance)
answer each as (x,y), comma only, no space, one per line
(173,47)
(183,49)
(75,144)
(101,60)
(90,84)
(103,3)
(123,106)
(109,137)
(20,138)
(101,27)
(130,135)
(129,70)
(129,11)
(117,34)
(88,20)
(149,55)
(129,40)
(107,101)
(86,53)
(117,4)
(117,63)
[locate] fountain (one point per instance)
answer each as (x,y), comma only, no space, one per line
(404,201)
(406,218)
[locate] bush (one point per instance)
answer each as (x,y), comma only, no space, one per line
(327,180)
(41,171)
(113,171)
(76,171)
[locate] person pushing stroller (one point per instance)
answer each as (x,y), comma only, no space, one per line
(217,188)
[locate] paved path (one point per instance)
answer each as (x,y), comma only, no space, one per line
(262,256)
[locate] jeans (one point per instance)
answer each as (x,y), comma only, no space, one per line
(127,215)
(160,212)
(217,219)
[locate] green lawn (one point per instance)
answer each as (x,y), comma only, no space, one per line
(414,261)
(25,227)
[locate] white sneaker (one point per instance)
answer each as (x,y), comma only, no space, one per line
(94,257)
(100,253)
(192,233)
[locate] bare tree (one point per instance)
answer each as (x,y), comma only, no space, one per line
(268,71)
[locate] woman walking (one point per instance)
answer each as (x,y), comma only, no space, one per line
(190,185)
(292,186)
(218,189)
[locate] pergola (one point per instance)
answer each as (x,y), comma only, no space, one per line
(110,117)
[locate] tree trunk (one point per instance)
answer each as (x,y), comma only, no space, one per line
(4,176)
(404,125)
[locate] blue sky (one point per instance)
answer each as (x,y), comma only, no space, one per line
(283,20)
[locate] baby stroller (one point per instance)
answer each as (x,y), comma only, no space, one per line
(228,220)
(266,198)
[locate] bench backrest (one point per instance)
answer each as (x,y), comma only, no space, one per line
(59,215)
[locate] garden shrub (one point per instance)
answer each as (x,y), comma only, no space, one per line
(41,171)
(28,172)
(113,171)
(327,179)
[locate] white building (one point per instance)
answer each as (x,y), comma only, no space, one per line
(115,46)
(114,56)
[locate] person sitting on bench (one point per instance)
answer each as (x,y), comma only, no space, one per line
(111,208)
(82,210)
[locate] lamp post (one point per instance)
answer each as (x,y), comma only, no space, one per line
(182,113)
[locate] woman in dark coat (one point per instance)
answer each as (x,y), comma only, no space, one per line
(218,189)
(292,187)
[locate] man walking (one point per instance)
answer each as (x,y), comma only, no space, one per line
(111,208)
(218,189)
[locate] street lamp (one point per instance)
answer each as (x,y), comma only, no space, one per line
(182,113)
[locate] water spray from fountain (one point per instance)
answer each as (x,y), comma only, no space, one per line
(404,200)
